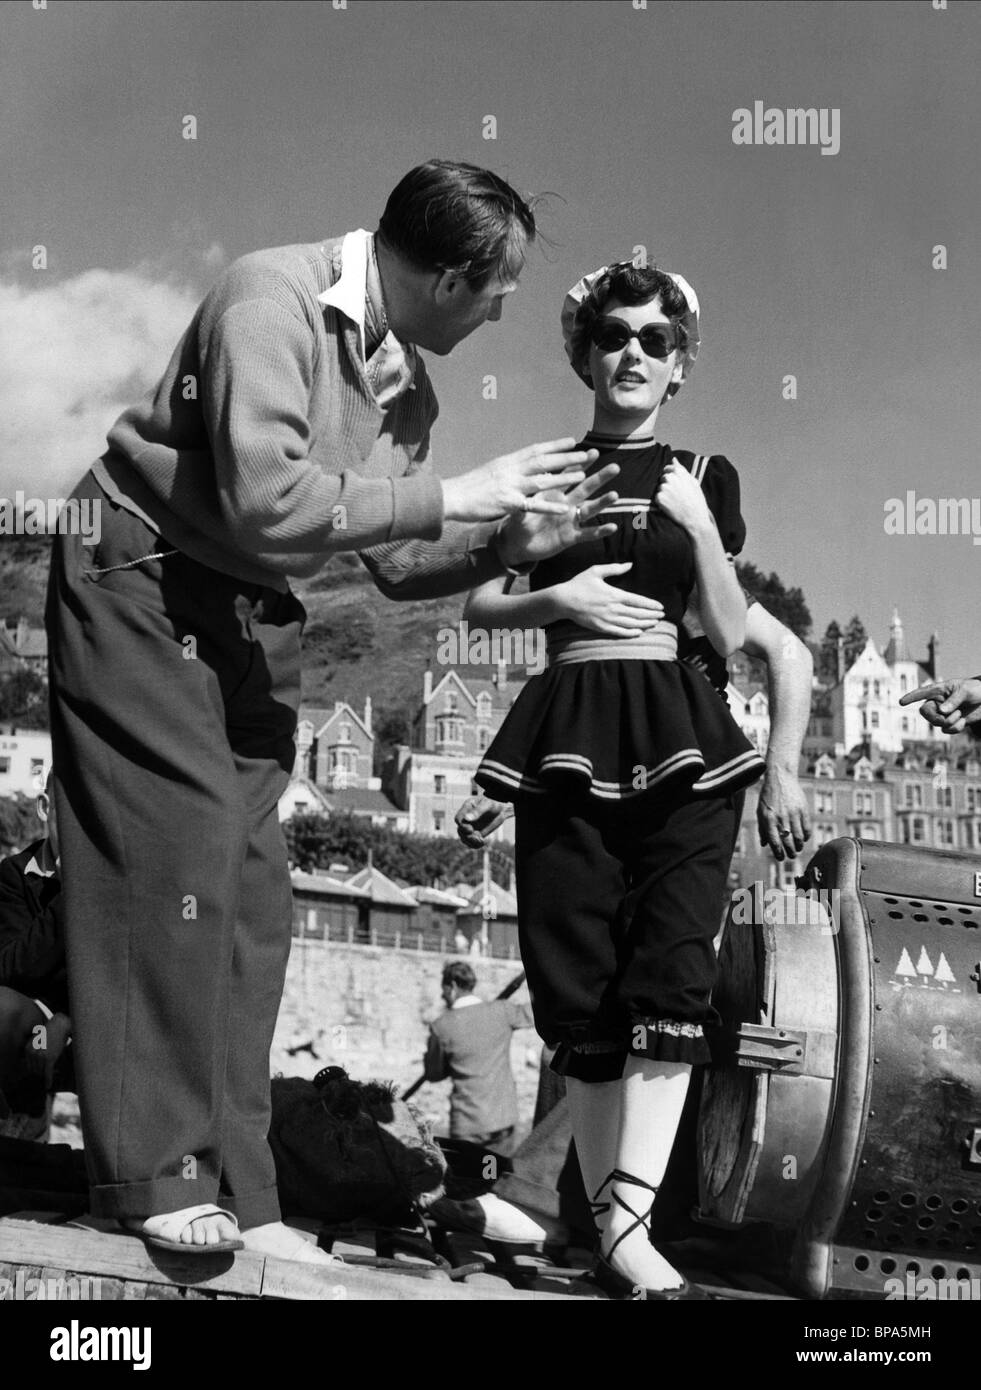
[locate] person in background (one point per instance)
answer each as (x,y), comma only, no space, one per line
(471,1043)
(35,1027)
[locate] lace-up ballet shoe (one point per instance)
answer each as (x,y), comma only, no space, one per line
(614,1283)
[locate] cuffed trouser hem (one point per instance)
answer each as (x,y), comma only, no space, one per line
(155,1197)
(254,1208)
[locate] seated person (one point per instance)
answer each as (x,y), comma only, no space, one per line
(34,1024)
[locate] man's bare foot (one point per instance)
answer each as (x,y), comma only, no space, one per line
(194,1227)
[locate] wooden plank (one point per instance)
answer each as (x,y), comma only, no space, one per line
(127,1257)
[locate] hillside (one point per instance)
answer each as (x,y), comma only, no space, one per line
(357,642)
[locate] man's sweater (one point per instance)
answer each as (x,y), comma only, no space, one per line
(262,451)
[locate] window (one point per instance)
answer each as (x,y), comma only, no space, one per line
(483,706)
(918,831)
(874,719)
(824,803)
(972,798)
(824,768)
(865,689)
(37,767)
(823,832)
(4,764)
(451,701)
(863,803)
(902,685)
(439,821)
(945,833)
(345,733)
(945,798)
(905,724)
(449,729)
(863,770)
(968,835)
(439,784)
(483,739)
(912,795)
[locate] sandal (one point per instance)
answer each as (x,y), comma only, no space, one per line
(164,1231)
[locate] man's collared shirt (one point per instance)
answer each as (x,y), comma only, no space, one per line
(391,368)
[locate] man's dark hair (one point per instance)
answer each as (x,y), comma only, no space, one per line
(448,216)
(460,974)
(628,284)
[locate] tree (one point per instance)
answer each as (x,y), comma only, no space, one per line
(855,640)
(24,697)
(19,824)
(315,842)
(828,656)
(787,605)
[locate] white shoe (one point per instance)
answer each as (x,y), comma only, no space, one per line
(284,1243)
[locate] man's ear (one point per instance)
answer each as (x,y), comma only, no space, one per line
(446,290)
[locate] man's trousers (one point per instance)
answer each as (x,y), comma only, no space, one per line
(174,695)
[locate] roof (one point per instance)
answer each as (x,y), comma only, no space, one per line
(33,643)
(304,784)
(380,888)
(505,902)
(323,883)
(437,897)
(363,800)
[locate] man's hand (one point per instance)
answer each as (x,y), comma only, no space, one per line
(950,705)
(479,817)
(536,537)
(781,813)
(514,483)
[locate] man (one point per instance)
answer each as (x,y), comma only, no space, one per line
(542,1197)
(293,421)
(34,1022)
(471,1042)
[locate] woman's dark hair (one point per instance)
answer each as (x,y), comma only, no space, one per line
(460,974)
(628,284)
(448,216)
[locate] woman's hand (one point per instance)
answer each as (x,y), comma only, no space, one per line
(514,483)
(681,498)
(591,601)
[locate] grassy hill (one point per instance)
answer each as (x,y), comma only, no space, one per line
(356,643)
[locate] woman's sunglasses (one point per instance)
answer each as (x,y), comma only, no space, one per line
(656,339)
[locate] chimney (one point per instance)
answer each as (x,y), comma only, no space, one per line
(840,660)
(502,675)
(427,687)
(367,713)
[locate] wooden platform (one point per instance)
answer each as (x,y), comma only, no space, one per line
(76,1260)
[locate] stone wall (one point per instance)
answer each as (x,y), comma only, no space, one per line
(367,1009)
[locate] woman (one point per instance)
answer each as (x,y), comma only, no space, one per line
(623,765)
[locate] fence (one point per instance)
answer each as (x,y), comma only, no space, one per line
(350,935)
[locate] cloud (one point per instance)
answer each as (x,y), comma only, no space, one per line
(73,355)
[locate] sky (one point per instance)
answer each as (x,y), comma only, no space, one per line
(820,267)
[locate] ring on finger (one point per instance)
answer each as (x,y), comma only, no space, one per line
(579,516)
